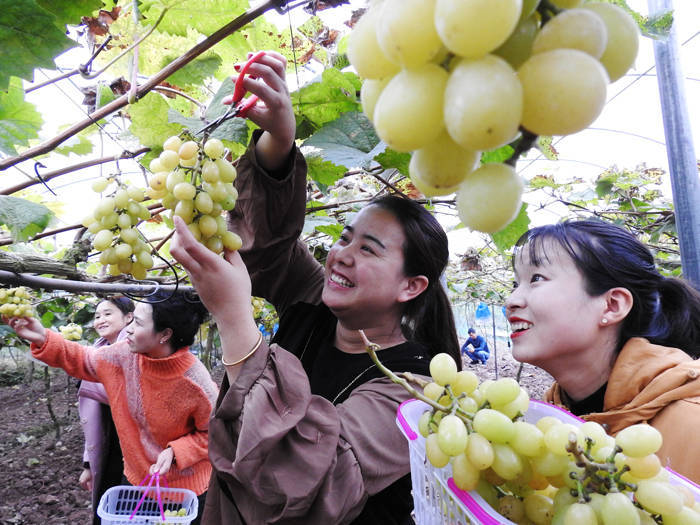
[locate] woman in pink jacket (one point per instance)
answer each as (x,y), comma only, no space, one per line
(102,455)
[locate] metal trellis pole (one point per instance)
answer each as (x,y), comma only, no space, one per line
(685,183)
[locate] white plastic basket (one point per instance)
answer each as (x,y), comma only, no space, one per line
(118,503)
(437,500)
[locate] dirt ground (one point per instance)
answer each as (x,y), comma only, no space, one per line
(39,473)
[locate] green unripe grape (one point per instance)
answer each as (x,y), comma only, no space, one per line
(185,210)
(102,240)
(173,179)
(188,150)
(100,185)
(169,159)
(215,244)
(228,202)
(214,148)
(227,172)
(172,143)
(184,191)
(231,241)
(203,202)
(207,226)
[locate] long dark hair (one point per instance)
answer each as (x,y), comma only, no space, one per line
(182,312)
(124,304)
(666,311)
(427,318)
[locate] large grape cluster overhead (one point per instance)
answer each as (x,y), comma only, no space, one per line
(195,182)
(449,79)
(550,472)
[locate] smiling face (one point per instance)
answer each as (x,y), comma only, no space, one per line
(554,321)
(142,337)
(365,283)
(109,321)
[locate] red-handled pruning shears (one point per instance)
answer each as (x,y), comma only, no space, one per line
(238,107)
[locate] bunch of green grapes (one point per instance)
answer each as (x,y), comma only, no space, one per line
(181,512)
(16,302)
(113,222)
(549,472)
(195,182)
(478,75)
(71,331)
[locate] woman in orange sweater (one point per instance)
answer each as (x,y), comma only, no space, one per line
(160,394)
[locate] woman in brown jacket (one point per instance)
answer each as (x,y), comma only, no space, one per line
(590,307)
(304,430)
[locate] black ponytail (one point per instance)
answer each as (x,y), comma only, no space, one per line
(677,322)
(428,318)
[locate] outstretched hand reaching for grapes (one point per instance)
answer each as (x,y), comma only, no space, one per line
(28,328)
(266,79)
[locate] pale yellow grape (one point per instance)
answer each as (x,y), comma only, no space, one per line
(528,440)
(155,165)
(100,185)
(516,407)
(123,250)
(138,271)
(364,52)
(188,150)
(214,148)
(550,464)
(105,206)
(502,391)
(207,225)
(443,164)
(434,453)
(185,210)
(468,405)
(125,265)
(102,240)
(639,440)
(641,468)
(222,227)
(369,94)
(623,39)
(686,516)
(135,193)
(227,172)
(408,114)
(172,143)
(169,201)
(483,103)
(215,244)
(109,256)
(595,431)
(452,435)
(465,382)
(121,198)
(479,451)
(169,159)
(465,475)
(510,507)
(184,191)
(144,258)
(189,163)
(580,514)
(443,369)
(495,184)
(88,220)
(405,34)
(194,230)
(203,202)
(217,191)
(129,235)
(433,391)
(124,221)
(114,270)
(506,462)
(472,28)
(617,509)
(557,438)
(538,508)
(564,91)
(157,180)
(544,423)
(428,190)
(493,425)
(109,221)
(210,171)
(173,179)
(424,423)
(518,48)
(580,29)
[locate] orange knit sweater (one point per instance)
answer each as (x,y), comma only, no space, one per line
(156,403)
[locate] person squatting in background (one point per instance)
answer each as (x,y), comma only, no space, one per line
(479,352)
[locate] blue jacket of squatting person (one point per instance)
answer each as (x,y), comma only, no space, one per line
(479,344)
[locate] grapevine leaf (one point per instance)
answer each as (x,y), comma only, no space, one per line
(542,181)
(29,39)
(326,98)
(332,230)
(544,144)
(324,172)
(149,121)
(349,141)
(23,218)
(390,159)
(205,16)
(498,155)
(508,236)
(195,72)
(77,144)
(193,124)
(657,26)
(69,11)
(235,129)
(19,120)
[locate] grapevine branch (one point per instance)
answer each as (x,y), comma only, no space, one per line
(144,88)
(75,167)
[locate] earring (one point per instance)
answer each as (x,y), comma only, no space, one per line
(604,320)
(162,341)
